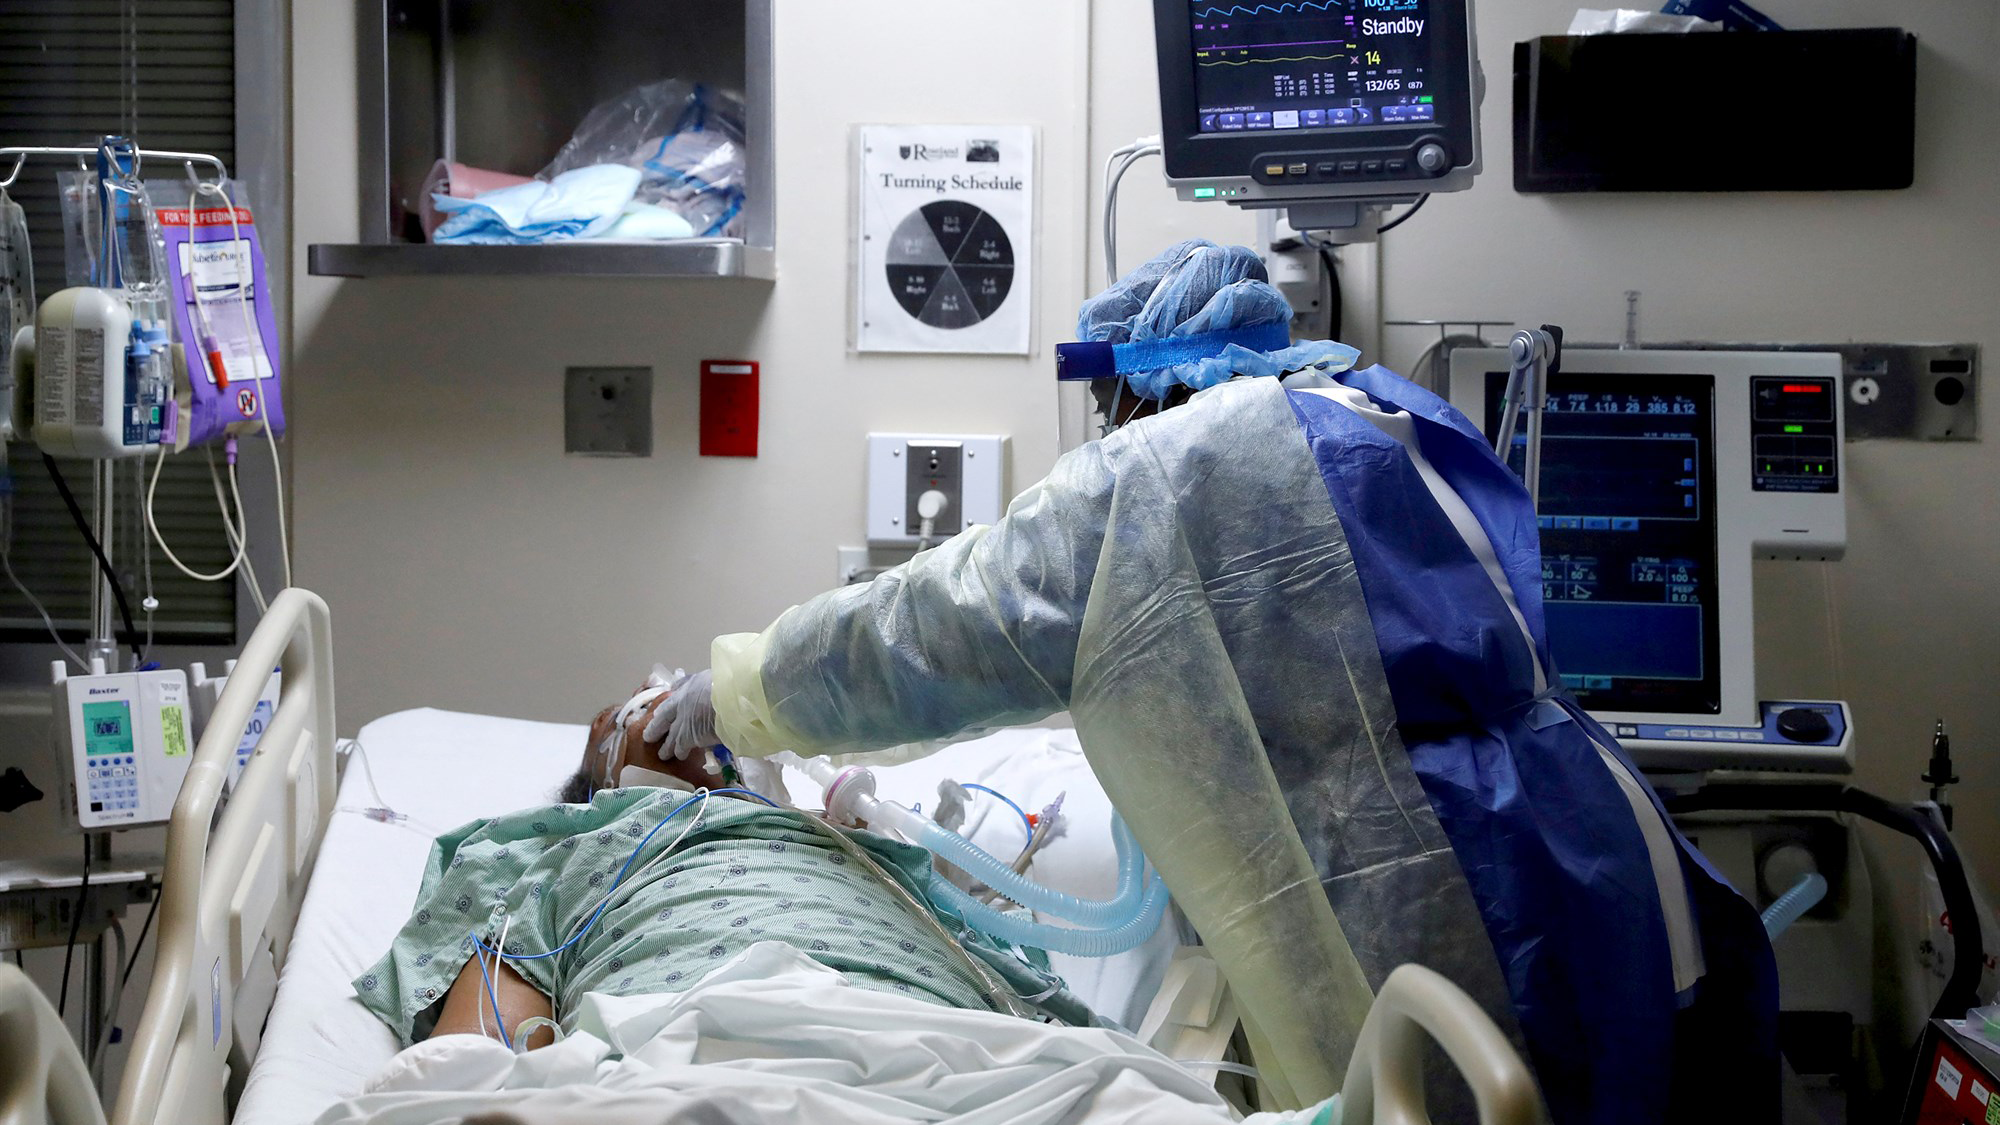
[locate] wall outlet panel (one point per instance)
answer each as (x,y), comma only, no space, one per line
(1918,392)
(935,466)
(608,411)
(895,482)
(1902,392)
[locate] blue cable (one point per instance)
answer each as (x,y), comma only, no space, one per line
(495,1000)
(1025,822)
(606,901)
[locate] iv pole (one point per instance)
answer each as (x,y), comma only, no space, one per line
(101,650)
(103,643)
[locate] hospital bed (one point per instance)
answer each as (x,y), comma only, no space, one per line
(298,882)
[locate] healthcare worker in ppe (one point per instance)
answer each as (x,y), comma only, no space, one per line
(1298,623)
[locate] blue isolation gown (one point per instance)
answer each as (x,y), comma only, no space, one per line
(1643,994)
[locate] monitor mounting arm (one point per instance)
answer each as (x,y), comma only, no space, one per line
(1535,354)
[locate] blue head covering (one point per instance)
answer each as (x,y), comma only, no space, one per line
(1210,314)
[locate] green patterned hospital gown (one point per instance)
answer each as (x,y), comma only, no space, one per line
(746,873)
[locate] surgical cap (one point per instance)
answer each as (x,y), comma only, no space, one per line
(1194,288)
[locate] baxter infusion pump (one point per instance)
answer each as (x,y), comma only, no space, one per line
(124,745)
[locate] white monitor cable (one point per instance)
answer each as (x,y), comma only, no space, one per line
(930,506)
(7,563)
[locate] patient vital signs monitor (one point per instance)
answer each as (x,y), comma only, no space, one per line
(1300,103)
(1664,474)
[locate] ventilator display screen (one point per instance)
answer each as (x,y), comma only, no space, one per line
(1628,534)
(1311,64)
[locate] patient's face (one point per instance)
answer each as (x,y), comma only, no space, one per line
(600,770)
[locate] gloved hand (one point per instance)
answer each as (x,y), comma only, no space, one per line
(685,719)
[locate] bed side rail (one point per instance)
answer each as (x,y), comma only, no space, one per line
(43,1081)
(231,894)
(1385,1076)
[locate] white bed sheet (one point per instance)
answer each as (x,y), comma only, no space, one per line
(444,768)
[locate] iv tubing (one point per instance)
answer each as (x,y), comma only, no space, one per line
(251,334)
(1006,800)
(236,533)
(153,487)
(7,564)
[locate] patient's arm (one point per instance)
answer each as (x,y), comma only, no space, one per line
(519,1002)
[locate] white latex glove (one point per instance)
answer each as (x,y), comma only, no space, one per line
(685,720)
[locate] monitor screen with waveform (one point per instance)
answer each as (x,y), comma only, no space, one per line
(1311,64)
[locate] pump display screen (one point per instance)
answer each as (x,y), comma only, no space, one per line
(107,728)
(1311,64)
(1628,533)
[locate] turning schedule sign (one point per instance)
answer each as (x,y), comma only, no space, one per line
(944,219)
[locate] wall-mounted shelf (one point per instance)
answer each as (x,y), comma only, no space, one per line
(502,84)
(694,257)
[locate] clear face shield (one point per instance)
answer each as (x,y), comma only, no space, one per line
(1094,408)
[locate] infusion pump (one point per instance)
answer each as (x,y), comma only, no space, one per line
(124,743)
(207,692)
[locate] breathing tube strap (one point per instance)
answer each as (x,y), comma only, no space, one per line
(1100,360)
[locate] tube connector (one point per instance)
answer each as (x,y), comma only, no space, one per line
(848,792)
(849,796)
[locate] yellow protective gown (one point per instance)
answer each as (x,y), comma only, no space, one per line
(1182,587)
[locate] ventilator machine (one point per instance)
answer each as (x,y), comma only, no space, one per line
(1663,475)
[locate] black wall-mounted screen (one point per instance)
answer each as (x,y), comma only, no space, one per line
(1716,111)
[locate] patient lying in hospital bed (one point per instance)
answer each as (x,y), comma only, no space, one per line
(720,953)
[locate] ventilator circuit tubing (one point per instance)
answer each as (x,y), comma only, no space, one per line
(1792,905)
(1110,926)
(1123,906)
(1020,929)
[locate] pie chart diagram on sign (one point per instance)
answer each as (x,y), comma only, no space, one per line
(950,264)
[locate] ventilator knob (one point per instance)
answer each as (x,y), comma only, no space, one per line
(1803,724)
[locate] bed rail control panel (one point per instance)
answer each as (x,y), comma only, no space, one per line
(123,746)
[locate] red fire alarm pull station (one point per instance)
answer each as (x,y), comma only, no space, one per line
(728,408)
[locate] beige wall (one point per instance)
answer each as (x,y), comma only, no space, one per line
(1907,627)
(472,565)
(469,563)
